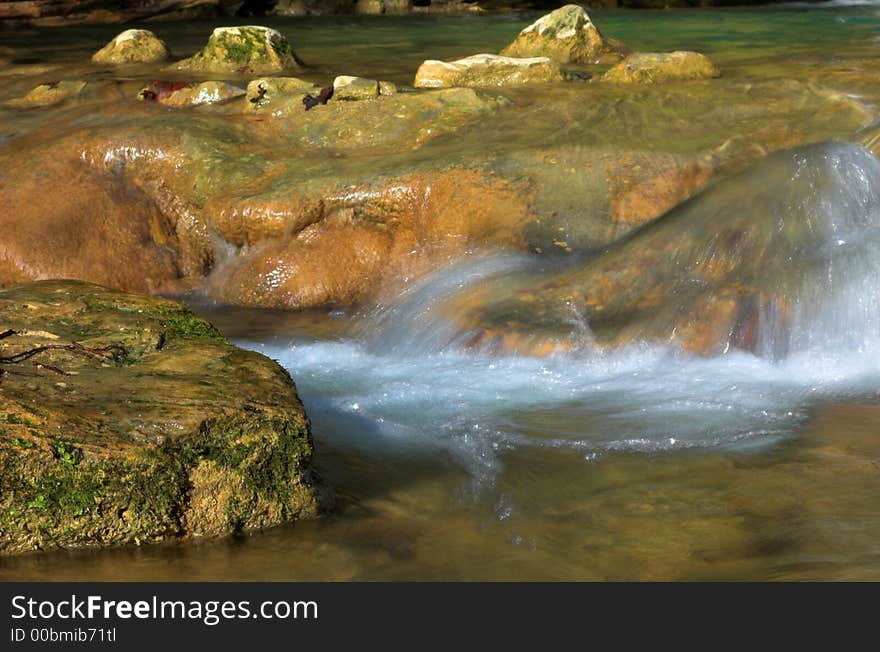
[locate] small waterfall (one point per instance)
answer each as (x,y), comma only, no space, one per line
(801,227)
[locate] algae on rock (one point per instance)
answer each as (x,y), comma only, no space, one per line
(132,46)
(251,49)
(180,434)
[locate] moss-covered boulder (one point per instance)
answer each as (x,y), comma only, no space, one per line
(657,67)
(251,49)
(347,88)
(139,422)
(133,46)
(487,70)
(48,94)
(566,35)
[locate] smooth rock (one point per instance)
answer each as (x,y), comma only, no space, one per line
(266,93)
(566,35)
(347,88)
(48,94)
(487,70)
(657,67)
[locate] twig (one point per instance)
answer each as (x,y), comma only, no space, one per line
(7,333)
(111,352)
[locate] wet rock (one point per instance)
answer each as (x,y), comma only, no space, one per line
(211,92)
(152,427)
(487,70)
(403,121)
(244,50)
(263,95)
(712,274)
(654,67)
(133,46)
(102,231)
(387,88)
(337,248)
(347,88)
(48,94)
(566,35)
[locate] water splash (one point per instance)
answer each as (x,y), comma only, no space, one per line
(403,383)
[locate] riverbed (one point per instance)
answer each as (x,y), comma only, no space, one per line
(645,462)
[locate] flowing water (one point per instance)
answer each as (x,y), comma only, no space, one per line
(637,462)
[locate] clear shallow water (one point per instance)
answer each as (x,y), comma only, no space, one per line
(646,463)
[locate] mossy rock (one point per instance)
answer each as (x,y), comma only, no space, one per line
(244,50)
(658,67)
(172,432)
(132,46)
(566,35)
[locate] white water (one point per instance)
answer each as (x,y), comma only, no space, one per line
(402,385)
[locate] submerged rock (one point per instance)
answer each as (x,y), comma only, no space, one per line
(150,426)
(656,67)
(245,50)
(266,93)
(716,272)
(354,88)
(133,46)
(487,70)
(566,35)
(48,94)
(210,92)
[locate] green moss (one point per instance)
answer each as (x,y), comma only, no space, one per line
(184,324)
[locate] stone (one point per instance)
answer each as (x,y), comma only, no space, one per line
(657,67)
(132,46)
(251,49)
(566,35)
(157,429)
(347,88)
(387,88)
(211,92)
(48,94)
(265,93)
(486,70)
(378,7)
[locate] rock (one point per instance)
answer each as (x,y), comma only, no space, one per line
(132,46)
(72,12)
(102,230)
(268,92)
(347,88)
(387,88)
(244,50)
(344,245)
(48,94)
(654,67)
(164,430)
(376,7)
(487,70)
(707,276)
(400,122)
(211,92)
(566,35)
